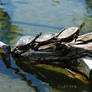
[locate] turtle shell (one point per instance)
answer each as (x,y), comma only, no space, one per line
(24,40)
(46,37)
(68,32)
(84,38)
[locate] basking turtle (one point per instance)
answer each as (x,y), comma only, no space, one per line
(24,41)
(84,38)
(21,44)
(69,34)
(24,44)
(46,38)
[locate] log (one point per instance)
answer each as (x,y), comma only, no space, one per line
(61,51)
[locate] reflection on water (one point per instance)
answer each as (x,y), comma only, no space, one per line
(29,17)
(7,30)
(37,25)
(33,83)
(58,78)
(10,81)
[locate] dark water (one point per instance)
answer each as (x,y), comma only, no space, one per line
(29,17)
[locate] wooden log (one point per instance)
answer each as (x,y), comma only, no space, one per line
(62,51)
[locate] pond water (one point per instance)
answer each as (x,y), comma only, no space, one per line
(29,17)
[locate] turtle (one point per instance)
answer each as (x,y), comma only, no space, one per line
(46,37)
(24,40)
(69,34)
(24,44)
(84,38)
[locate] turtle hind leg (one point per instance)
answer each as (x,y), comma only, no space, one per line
(36,47)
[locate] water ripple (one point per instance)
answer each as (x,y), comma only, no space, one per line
(37,25)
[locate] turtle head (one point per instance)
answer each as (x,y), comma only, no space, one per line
(81,25)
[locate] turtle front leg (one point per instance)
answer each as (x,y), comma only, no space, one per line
(76,36)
